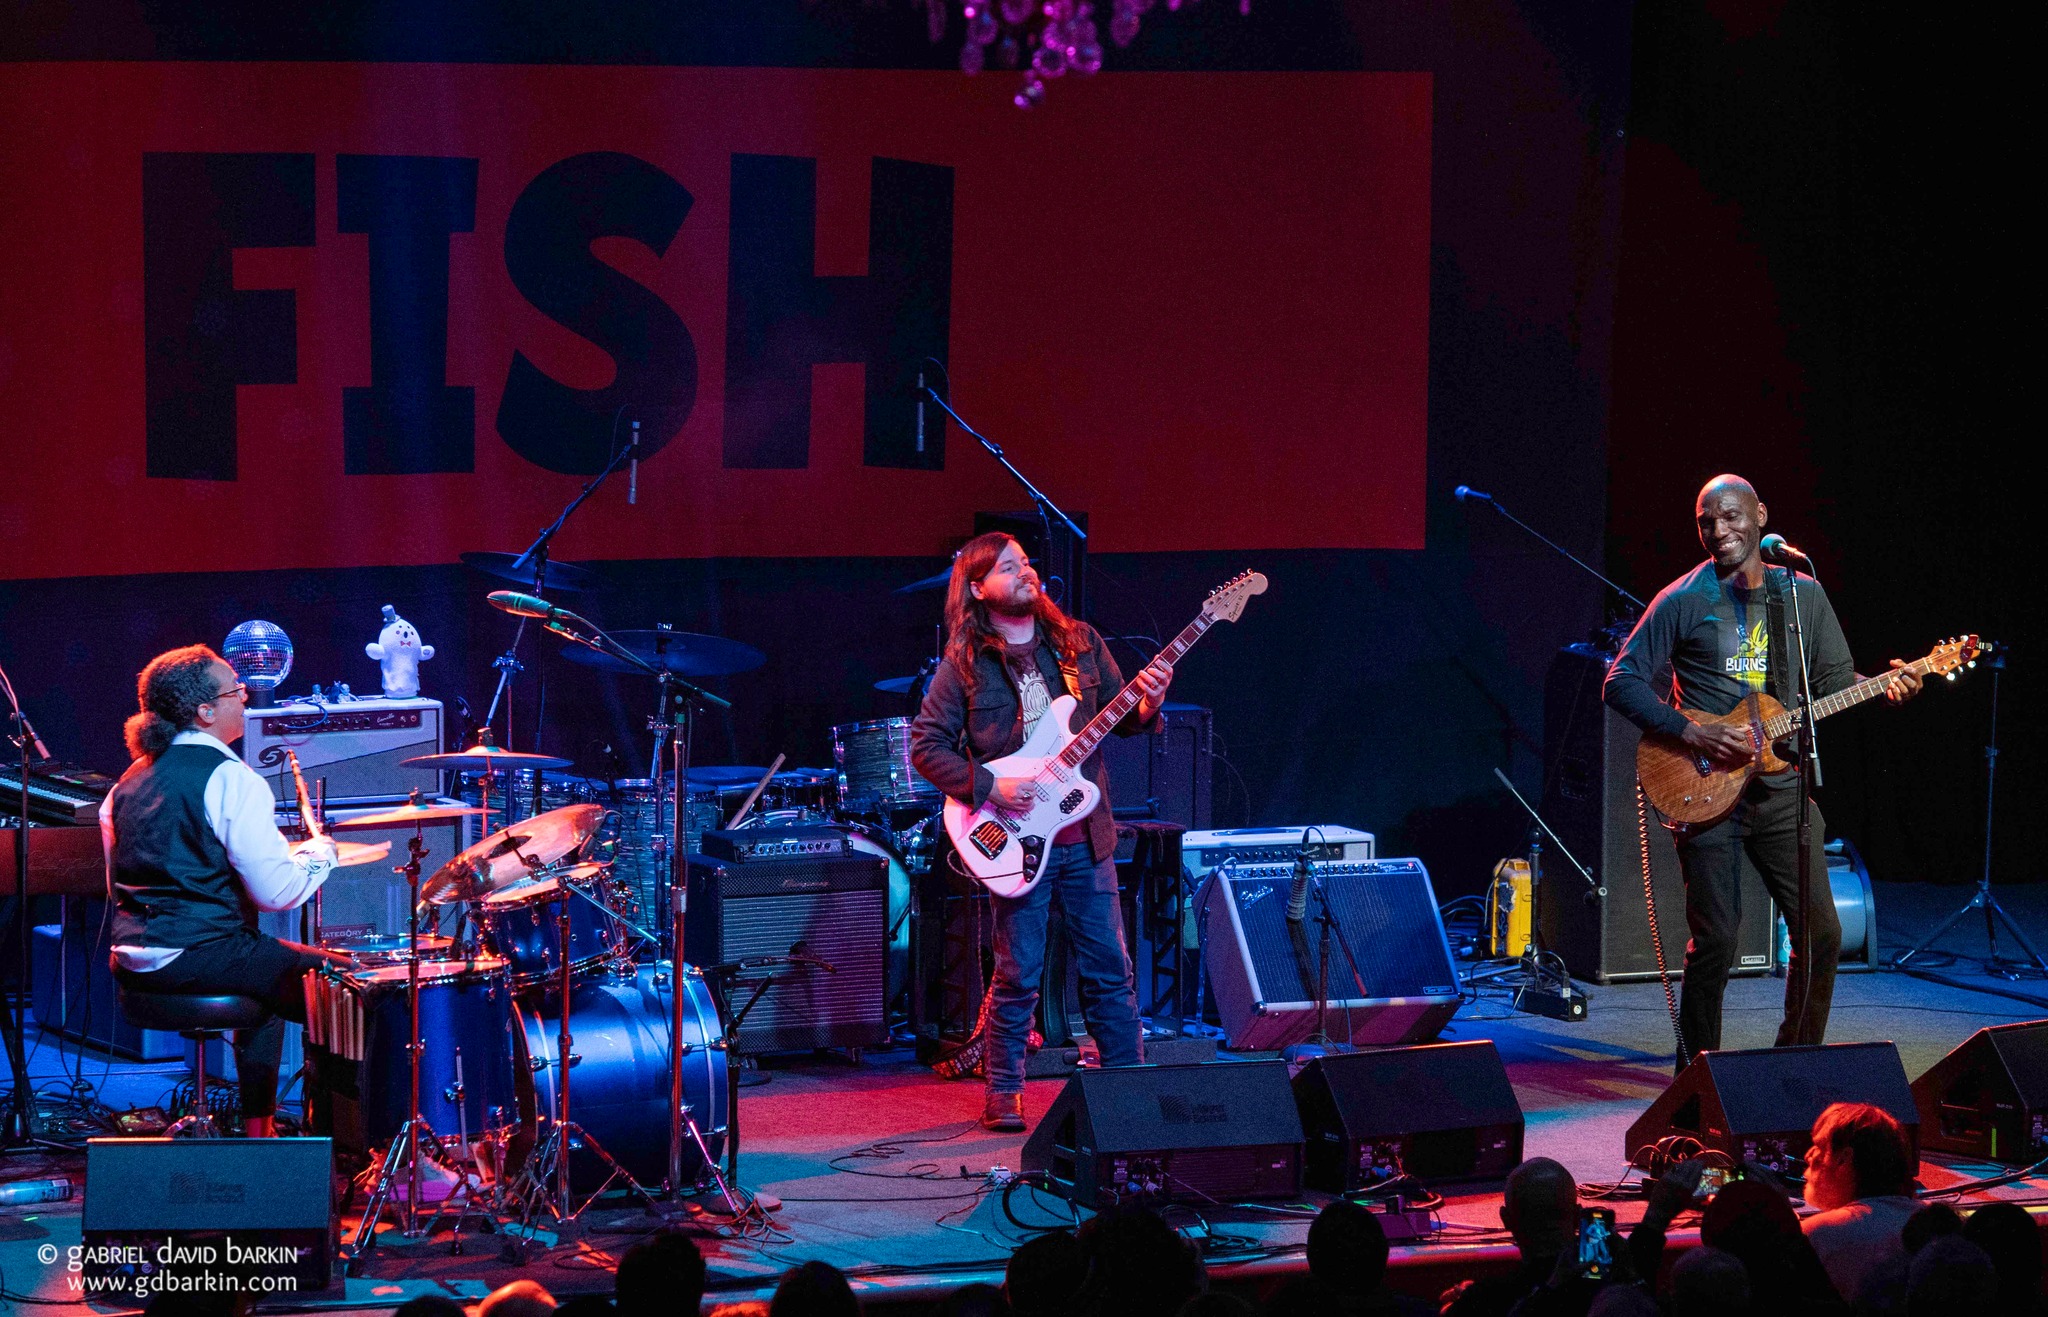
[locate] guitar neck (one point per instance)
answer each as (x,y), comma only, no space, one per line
(1848,698)
(1128,698)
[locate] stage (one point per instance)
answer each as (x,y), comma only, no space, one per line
(882,1171)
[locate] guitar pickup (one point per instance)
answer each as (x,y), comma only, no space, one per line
(1072,802)
(989,837)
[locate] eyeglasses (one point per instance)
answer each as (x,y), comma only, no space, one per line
(241,690)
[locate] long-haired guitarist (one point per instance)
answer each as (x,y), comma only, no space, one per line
(1712,637)
(1010,650)
(193,851)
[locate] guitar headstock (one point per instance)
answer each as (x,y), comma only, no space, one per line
(1953,655)
(1227,603)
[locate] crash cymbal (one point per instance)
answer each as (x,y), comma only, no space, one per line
(352,853)
(562,576)
(405,816)
(484,758)
(937,582)
(512,854)
(726,775)
(682,652)
(895,685)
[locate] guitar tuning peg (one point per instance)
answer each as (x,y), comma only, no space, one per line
(1971,664)
(1951,676)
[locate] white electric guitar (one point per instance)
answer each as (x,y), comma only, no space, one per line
(1006,850)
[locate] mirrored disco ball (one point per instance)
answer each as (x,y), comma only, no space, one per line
(260,653)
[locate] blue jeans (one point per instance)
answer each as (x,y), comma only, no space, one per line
(1095,931)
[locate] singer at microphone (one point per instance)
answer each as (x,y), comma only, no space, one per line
(1715,637)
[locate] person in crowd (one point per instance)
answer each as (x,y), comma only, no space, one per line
(1951,1277)
(1045,1274)
(595,1305)
(520,1298)
(1540,1208)
(429,1305)
(661,1276)
(1708,1282)
(814,1289)
(1137,1265)
(1217,1303)
(1859,1173)
(1303,1296)
(975,1301)
(1753,1219)
(1347,1250)
(2012,1238)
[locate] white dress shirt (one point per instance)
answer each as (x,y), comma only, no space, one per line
(243,814)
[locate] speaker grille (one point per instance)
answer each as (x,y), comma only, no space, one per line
(1384,913)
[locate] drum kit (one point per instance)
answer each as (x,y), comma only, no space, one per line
(440,1053)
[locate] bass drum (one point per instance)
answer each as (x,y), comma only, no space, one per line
(866,839)
(621,1086)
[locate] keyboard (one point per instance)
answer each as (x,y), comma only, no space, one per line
(57,792)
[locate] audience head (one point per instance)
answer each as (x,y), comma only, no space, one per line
(1951,1277)
(738,1308)
(1540,1207)
(1706,1282)
(1217,1303)
(1045,1274)
(1304,1296)
(1623,1301)
(1929,1223)
(1138,1266)
(521,1298)
(1347,1249)
(975,1301)
(2011,1237)
(430,1305)
(814,1289)
(1858,1151)
(589,1305)
(661,1275)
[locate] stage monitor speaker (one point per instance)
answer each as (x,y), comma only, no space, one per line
(1439,1112)
(260,1211)
(1761,1104)
(1263,968)
(74,989)
(1218,1133)
(1589,797)
(1988,1099)
(832,910)
(1164,775)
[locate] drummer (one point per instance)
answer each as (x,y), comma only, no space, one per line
(193,852)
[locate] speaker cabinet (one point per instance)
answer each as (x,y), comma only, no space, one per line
(358,746)
(826,911)
(1988,1099)
(1390,971)
(1439,1112)
(1217,1133)
(1589,797)
(1761,1104)
(258,1210)
(1164,775)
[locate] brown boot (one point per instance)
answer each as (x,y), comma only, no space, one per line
(1003,1112)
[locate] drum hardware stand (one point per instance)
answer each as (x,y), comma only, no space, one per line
(550,1161)
(406,1143)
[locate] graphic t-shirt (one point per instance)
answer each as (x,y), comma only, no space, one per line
(1034,697)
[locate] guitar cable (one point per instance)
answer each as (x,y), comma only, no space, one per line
(1650,908)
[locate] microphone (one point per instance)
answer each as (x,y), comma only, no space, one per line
(633,468)
(525,605)
(920,411)
(1297,895)
(1775,549)
(1467,494)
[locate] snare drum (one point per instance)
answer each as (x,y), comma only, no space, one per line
(873,759)
(520,923)
(373,949)
(465,1024)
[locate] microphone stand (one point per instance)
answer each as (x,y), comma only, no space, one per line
(17,1125)
(1474,496)
(1047,509)
(1809,779)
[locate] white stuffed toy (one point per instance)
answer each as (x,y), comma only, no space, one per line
(399,653)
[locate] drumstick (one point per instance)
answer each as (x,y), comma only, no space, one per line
(755,794)
(306,814)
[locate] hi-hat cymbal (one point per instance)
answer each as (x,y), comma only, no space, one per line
(486,758)
(512,854)
(562,576)
(682,652)
(405,816)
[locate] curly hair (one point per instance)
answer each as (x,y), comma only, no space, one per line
(971,633)
(169,692)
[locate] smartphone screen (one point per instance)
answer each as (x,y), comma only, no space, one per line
(1596,1242)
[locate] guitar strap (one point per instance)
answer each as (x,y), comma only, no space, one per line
(1070,673)
(1784,662)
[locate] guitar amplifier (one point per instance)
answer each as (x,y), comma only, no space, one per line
(1204,852)
(754,845)
(832,911)
(357,745)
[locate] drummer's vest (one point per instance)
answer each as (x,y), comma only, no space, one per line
(173,885)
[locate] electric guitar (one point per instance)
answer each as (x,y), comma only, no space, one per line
(1691,788)
(1006,850)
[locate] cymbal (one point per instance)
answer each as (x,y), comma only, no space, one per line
(727,775)
(895,685)
(487,758)
(405,816)
(500,859)
(937,582)
(563,576)
(682,652)
(352,853)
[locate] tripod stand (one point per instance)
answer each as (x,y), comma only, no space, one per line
(1982,899)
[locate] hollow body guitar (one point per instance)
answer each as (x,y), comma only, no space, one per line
(1007,850)
(1689,788)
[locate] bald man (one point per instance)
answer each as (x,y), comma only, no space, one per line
(1710,638)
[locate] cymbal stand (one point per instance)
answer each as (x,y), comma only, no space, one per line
(405,1145)
(550,1161)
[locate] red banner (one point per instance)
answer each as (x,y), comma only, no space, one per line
(1193,306)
